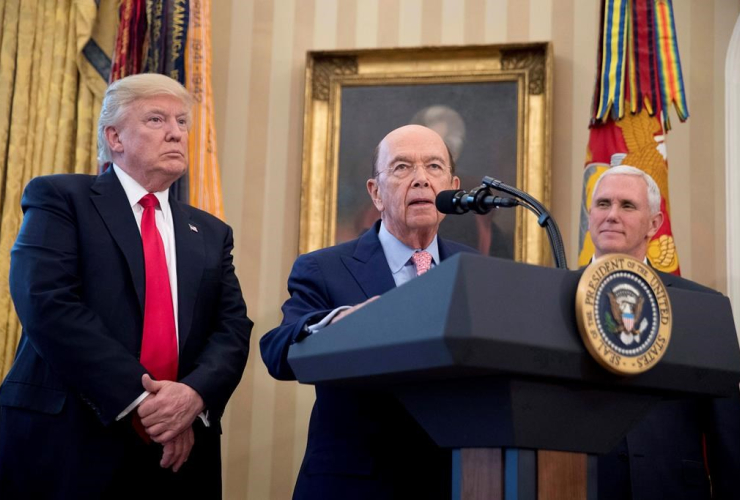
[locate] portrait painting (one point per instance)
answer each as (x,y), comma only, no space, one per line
(490,104)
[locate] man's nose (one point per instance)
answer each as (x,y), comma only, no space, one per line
(421,178)
(174,130)
(613,213)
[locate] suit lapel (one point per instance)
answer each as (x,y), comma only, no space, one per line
(444,251)
(666,278)
(111,203)
(369,266)
(190,251)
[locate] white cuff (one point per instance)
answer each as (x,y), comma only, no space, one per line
(327,319)
(203,416)
(132,406)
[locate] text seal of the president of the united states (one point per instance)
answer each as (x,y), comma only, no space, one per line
(624,314)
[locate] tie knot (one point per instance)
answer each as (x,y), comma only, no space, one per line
(422,261)
(149,201)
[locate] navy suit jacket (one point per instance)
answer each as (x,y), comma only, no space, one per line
(77,281)
(662,455)
(362,444)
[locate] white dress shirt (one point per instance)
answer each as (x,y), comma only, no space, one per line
(398,255)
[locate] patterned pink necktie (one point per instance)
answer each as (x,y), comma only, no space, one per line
(422,261)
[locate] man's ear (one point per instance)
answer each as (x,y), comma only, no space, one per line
(655,222)
(455,182)
(373,190)
(114,139)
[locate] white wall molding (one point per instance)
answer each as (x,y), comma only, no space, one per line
(732,170)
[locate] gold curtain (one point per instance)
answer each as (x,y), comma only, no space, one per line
(51,86)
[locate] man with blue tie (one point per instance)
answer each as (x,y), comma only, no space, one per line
(362,444)
(135,332)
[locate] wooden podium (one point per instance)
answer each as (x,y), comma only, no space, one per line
(486,356)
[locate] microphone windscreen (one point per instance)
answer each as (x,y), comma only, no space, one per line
(446,202)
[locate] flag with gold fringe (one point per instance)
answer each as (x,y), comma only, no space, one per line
(173,37)
(639,78)
(205,176)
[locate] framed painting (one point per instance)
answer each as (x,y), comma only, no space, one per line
(491,105)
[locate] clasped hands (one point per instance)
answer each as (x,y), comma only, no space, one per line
(167,415)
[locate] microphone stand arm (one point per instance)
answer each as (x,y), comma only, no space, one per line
(544,219)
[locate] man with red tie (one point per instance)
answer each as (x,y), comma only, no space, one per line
(135,332)
(362,444)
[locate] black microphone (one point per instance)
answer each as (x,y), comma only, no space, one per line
(478,200)
(448,202)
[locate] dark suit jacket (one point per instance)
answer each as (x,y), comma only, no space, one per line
(362,444)
(77,282)
(662,456)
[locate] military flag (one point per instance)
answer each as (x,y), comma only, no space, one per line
(638,79)
(173,37)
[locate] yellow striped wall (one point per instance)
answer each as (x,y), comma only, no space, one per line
(259,52)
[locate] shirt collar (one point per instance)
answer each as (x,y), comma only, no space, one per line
(398,254)
(644,260)
(134,190)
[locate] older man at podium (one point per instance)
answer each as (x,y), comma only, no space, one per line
(362,444)
(675,450)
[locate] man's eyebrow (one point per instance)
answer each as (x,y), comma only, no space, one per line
(162,111)
(406,159)
(402,158)
(435,158)
(619,200)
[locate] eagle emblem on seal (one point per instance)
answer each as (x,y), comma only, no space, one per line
(626,303)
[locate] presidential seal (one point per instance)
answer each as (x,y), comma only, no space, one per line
(623,313)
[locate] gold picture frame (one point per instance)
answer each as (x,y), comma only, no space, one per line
(386,80)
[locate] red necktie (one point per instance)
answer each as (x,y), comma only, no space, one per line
(159,340)
(422,261)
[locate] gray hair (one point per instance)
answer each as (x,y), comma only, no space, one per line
(122,93)
(653,191)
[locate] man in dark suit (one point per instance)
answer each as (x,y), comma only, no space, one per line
(135,332)
(362,444)
(663,455)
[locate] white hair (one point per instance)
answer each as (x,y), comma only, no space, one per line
(653,191)
(122,93)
